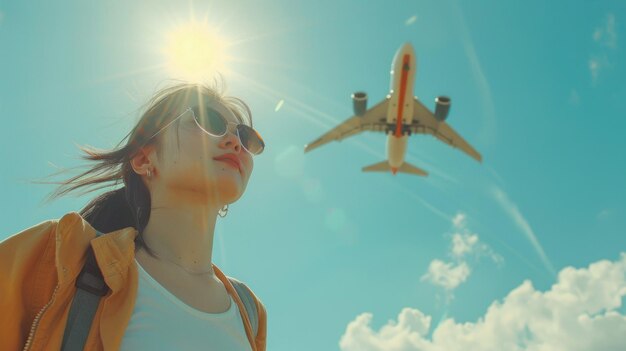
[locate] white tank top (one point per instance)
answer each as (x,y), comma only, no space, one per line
(160,321)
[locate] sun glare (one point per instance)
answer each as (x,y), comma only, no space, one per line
(195,52)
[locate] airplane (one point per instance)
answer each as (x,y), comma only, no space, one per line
(399,116)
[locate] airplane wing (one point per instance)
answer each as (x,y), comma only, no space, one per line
(374,119)
(425,122)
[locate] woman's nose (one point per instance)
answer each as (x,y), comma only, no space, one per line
(231,139)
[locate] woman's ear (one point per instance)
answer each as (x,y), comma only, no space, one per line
(143,160)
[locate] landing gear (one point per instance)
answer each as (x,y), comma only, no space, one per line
(391,129)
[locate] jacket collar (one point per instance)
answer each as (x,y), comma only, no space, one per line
(114,251)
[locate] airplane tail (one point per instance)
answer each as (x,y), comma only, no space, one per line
(405,168)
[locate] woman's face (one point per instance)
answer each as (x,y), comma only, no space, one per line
(187,169)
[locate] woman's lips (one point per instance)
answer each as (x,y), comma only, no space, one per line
(230,162)
(231,159)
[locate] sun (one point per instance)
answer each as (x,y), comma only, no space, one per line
(195,52)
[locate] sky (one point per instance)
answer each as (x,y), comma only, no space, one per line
(524,251)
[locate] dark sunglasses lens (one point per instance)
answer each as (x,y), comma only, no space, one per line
(250,139)
(210,120)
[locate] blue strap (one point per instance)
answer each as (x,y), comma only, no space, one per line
(248,302)
(90,287)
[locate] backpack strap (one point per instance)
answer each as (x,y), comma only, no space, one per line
(90,287)
(248,302)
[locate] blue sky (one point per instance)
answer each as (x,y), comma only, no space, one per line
(345,260)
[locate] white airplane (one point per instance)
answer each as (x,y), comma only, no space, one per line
(399,115)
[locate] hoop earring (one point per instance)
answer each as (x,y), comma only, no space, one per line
(223,211)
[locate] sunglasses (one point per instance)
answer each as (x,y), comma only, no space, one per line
(213,123)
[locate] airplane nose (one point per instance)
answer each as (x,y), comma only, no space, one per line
(407,48)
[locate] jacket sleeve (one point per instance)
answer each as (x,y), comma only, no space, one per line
(24,287)
(261,334)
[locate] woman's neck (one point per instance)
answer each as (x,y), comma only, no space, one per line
(182,236)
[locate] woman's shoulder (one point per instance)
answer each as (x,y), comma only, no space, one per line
(43,228)
(31,235)
(35,239)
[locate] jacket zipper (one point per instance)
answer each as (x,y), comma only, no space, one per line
(33,327)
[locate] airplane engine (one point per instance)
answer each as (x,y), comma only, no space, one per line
(442,107)
(359,100)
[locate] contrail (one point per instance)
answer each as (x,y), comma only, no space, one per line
(489,116)
(523,225)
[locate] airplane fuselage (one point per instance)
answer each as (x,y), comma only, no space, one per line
(400,110)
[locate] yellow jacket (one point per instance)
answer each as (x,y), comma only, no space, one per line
(38,269)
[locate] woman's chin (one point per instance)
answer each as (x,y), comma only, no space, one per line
(230,188)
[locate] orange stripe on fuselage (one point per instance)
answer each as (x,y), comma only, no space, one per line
(403,78)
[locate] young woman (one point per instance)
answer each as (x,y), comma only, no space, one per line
(189,156)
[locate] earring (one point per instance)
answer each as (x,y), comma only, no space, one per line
(149,174)
(223,211)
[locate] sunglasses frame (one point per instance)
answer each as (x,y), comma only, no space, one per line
(195,119)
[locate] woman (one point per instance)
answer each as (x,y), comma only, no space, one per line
(189,156)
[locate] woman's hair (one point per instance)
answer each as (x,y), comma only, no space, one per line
(129,205)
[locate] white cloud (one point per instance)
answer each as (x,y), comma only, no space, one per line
(594,68)
(468,244)
(463,244)
(446,275)
(580,312)
(606,34)
(406,334)
(411,20)
(521,222)
(449,275)
(596,64)
(459,220)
